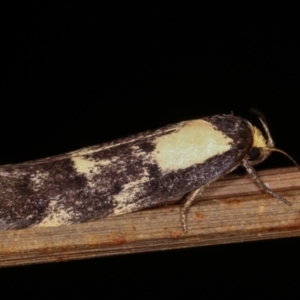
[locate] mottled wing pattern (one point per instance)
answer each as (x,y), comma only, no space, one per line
(122,176)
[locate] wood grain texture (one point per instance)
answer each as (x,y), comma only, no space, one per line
(231,210)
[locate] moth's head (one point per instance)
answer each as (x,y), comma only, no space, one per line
(262,147)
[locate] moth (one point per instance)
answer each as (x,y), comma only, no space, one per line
(144,170)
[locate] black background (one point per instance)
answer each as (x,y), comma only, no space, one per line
(77,74)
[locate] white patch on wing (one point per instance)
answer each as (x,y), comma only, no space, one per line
(193,143)
(88,167)
(125,201)
(56,215)
(84,166)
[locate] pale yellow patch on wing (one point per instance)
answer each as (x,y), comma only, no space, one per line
(83,166)
(194,142)
(129,193)
(56,215)
(88,166)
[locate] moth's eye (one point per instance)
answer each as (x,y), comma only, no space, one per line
(254,154)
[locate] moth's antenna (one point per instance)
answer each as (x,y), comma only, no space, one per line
(271,143)
(258,113)
(284,153)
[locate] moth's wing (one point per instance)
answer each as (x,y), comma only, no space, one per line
(195,155)
(75,186)
(118,177)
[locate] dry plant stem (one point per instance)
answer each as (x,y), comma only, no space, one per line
(231,210)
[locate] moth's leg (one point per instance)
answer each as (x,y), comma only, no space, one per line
(189,199)
(254,177)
